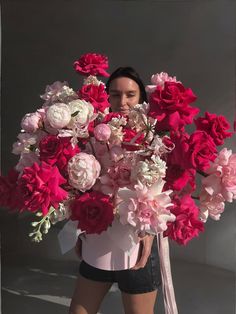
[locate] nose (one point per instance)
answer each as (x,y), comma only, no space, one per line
(123,100)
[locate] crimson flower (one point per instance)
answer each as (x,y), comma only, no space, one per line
(92,64)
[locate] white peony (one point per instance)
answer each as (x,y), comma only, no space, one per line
(58,115)
(82,112)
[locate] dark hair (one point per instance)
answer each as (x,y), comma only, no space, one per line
(133,75)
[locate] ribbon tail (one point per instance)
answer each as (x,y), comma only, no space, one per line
(167,283)
(68,235)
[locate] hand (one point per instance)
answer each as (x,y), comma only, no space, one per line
(78,248)
(146,246)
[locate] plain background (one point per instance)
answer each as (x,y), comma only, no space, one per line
(194,40)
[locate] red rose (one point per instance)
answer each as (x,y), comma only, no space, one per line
(194,151)
(187,224)
(202,150)
(9,193)
(92,64)
(57,151)
(215,126)
(96,95)
(129,135)
(40,187)
(170,106)
(177,178)
(94,211)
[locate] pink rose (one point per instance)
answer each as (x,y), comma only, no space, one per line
(92,64)
(40,187)
(102,132)
(31,122)
(94,212)
(215,126)
(187,224)
(57,151)
(170,106)
(83,171)
(96,95)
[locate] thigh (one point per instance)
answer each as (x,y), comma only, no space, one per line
(139,303)
(88,296)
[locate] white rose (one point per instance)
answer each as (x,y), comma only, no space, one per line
(58,115)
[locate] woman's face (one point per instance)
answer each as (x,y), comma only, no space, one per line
(124,93)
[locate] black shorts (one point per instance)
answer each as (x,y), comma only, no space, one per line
(143,280)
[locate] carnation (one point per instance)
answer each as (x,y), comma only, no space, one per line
(40,187)
(187,224)
(159,79)
(92,64)
(149,171)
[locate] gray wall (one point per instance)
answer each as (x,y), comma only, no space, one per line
(194,40)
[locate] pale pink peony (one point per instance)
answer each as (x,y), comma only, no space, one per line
(159,79)
(145,208)
(212,206)
(31,122)
(118,174)
(102,132)
(83,170)
(58,92)
(222,176)
(58,115)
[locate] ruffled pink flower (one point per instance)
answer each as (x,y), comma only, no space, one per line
(216,126)
(222,176)
(187,224)
(40,187)
(211,205)
(92,64)
(83,170)
(27,160)
(145,208)
(117,175)
(159,79)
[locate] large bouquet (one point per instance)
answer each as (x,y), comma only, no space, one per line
(82,162)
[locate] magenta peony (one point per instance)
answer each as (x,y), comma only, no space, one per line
(92,64)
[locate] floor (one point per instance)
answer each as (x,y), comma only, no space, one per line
(45,286)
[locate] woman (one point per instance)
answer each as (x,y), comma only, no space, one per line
(138,285)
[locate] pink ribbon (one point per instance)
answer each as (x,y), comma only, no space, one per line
(167,283)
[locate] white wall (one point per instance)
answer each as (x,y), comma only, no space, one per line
(194,40)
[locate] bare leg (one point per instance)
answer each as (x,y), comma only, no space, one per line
(139,303)
(88,296)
